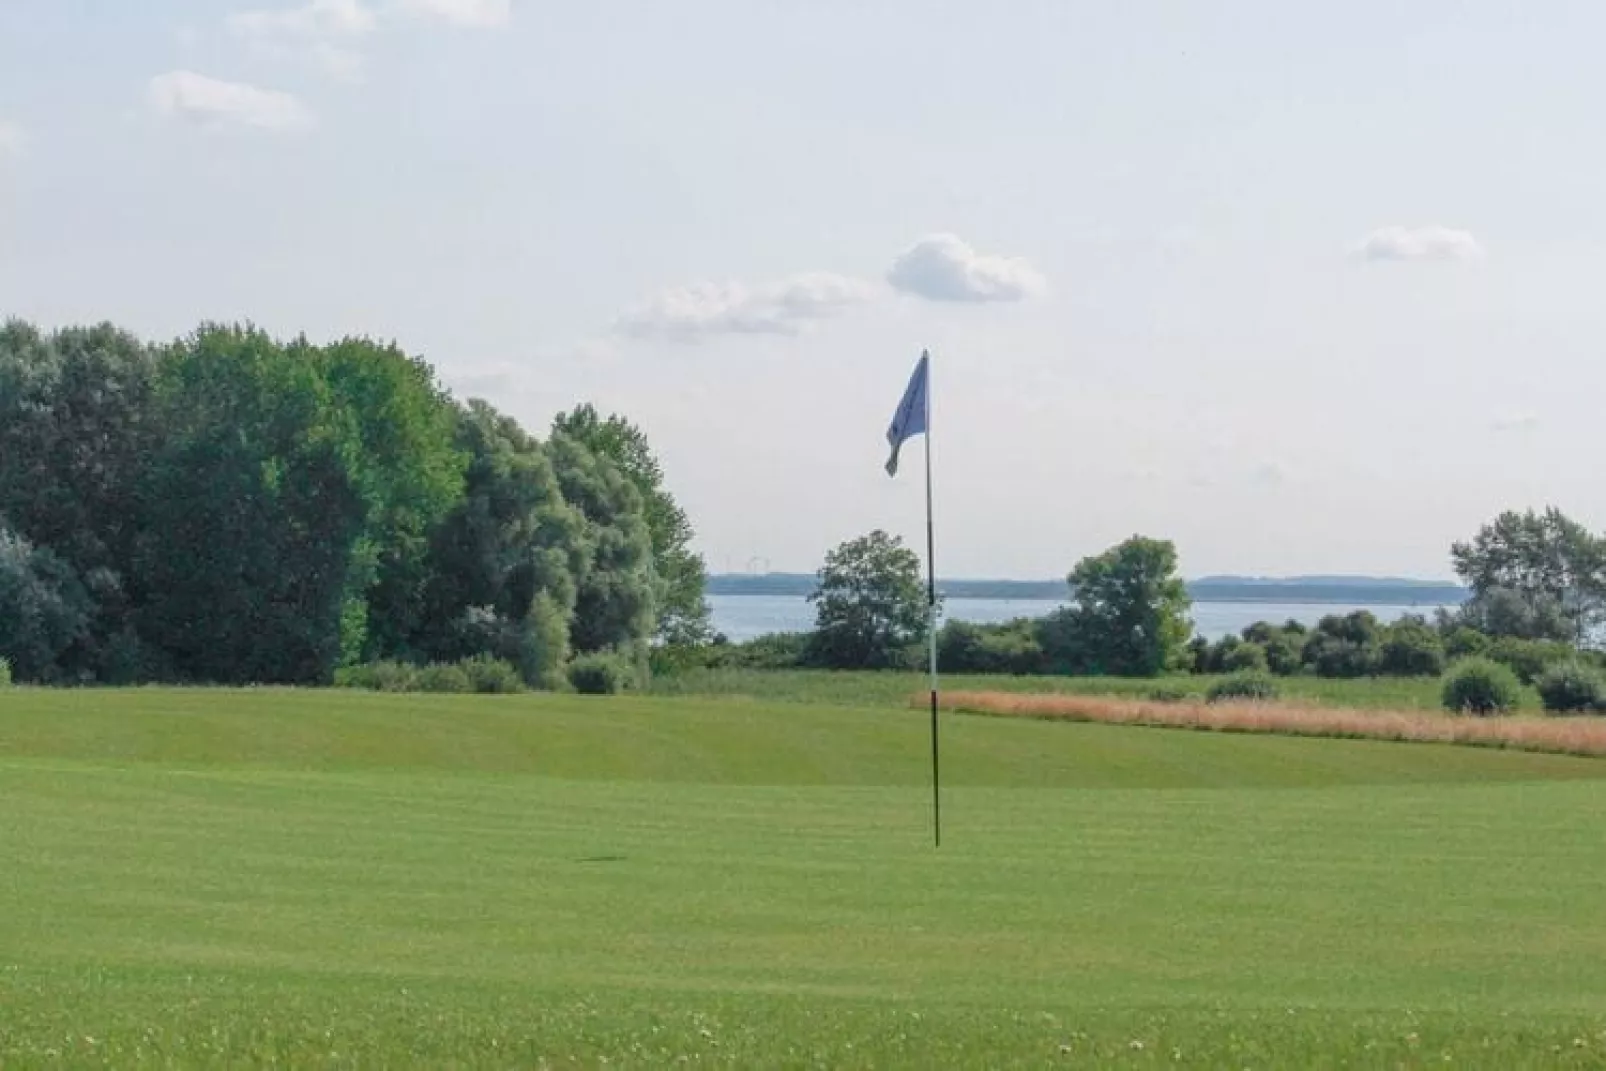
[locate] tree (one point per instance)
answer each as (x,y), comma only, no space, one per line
(1411,648)
(683,614)
(870,606)
(1132,609)
(502,567)
(1534,576)
(1345,646)
(44,609)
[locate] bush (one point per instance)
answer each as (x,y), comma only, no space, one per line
(491,676)
(443,677)
(1334,656)
(1253,686)
(1246,657)
(1481,686)
(1412,649)
(5,673)
(377,677)
(1165,694)
(600,674)
(1529,658)
(1572,687)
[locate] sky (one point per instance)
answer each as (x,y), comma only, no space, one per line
(1302,288)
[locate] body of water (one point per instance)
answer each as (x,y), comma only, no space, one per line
(742,617)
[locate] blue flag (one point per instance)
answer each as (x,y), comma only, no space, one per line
(914,412)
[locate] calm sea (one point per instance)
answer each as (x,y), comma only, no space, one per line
(741,617)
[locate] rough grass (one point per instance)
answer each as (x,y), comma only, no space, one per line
(1561,736)
(891,689)
(206,879)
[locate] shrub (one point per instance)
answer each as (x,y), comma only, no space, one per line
(5,673)
(1246,657)
(442,677)
(377,677)
(1198,659)
(1528,658)
(491,676)
(1572,687)
(1254,686)
(600,674)
(1481,686)
(1411,649)
(1165,694)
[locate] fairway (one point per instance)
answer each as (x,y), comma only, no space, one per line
(333,879)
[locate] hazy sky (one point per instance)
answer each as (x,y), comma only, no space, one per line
(1302,287)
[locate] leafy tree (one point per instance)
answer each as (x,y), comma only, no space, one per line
(1345,646)
(44,609)
(1247,657)
(75,432)
(1534,576)
(501,568)
(1132,609)
(870,606)
(683,614)
(1411,648)
(1480,687)
(616,588)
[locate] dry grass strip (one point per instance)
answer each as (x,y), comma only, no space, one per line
(1563,736)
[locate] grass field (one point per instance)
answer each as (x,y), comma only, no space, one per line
(334,879)
(1381,693)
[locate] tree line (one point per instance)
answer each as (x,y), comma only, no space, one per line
(231,508)
(1538,598)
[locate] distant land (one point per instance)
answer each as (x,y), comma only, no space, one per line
(1356,590)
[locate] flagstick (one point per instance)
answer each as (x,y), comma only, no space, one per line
(931,627)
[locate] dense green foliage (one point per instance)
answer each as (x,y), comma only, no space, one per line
(1572,687)
(230,508)
(1130,612)
(871,606)
(1481,686)
(1251,685)
(601,674)
(1534,576)
(315,879)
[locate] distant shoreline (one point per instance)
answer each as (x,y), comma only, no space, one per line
(1374,591)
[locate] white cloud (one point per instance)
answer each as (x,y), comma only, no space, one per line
(1515,422)
(213,103)
(315,19)
(471,13)
(13,139)
(1273,473)
(341,64)
(942,267)
(784,307)
(1419,243)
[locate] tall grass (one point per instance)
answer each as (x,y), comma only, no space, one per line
(1570,736)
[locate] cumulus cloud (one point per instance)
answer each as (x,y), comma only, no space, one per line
(315,19)
(470,13)
(1273,473)
(1515,422)
(785,307)
(1419,243)
(212,103)
(942,267)
(12,139)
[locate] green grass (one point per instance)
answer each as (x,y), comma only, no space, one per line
(330,879)
(816,686)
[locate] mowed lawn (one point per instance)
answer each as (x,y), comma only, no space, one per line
(215,878)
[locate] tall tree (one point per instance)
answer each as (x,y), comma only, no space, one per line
(1131,609)
(870,606)
(683,614)
(503,566)
(1534,575)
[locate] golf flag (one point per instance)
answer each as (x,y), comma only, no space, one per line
(912,415)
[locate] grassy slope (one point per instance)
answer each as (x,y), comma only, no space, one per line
(1382,693)
(215,877)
